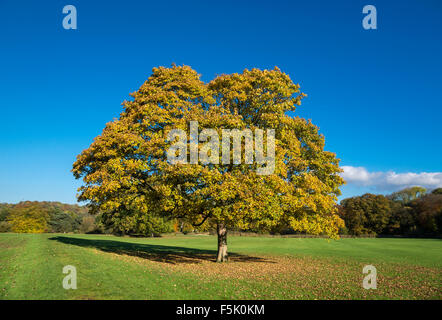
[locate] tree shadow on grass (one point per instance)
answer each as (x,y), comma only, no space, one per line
(154,252)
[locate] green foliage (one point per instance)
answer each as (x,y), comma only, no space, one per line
(136,223)
(420,216)
(366,214)
(87,224)
(63,222)
(428,213)
(402,220)
(5,226)
(408,194)
(4,211)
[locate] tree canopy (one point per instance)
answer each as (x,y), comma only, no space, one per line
(366,214)
(408,194)
(127,175)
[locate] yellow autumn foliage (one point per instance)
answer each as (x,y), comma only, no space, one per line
(125,170)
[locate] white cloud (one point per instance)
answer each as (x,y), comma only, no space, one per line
(390,180)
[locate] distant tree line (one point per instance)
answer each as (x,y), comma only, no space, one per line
(38,217)
(56,217)
(409,212)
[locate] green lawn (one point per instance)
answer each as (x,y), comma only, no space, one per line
(182,267)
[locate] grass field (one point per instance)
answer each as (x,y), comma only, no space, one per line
(183,267)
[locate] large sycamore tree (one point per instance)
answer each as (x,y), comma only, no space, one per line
(129,179)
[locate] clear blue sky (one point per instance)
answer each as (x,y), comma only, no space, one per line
(375,94)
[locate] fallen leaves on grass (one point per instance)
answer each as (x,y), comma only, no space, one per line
(303,277)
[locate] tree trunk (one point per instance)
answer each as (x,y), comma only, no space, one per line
(222,242)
